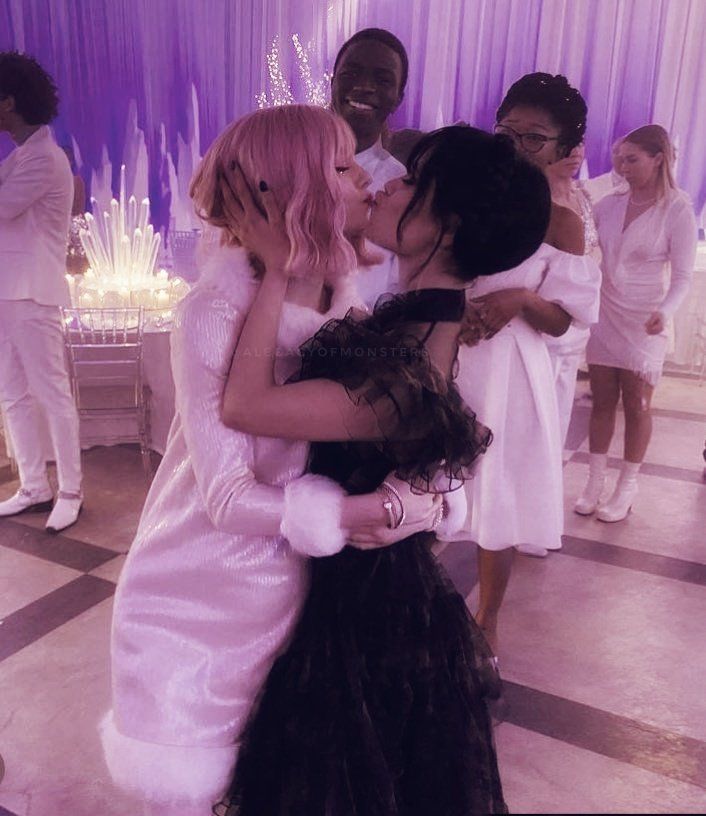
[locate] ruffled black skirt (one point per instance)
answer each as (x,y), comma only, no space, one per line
(378,706)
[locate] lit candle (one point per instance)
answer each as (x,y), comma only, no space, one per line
(123,204)
(70,282)
(131,214)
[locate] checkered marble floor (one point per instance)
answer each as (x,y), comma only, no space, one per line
(600,645)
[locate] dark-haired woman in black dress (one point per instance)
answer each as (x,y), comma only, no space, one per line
(377,707)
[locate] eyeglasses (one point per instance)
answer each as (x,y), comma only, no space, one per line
(529,142)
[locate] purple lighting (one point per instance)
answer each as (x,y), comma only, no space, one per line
(127,65)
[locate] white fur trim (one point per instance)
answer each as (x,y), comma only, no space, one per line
(457,510)
(312,516)
(226,270)
(166,773)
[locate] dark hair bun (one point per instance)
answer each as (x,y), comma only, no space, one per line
(555,96)
(498,203)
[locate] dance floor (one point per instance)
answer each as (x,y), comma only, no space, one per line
(601,645)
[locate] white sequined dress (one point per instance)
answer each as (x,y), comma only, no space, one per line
(210,590)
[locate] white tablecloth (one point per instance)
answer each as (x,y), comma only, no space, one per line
(157,377)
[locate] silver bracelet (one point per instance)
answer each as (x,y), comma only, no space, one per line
(393,490)
(388,506)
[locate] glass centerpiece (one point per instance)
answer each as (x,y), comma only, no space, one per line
(122,249)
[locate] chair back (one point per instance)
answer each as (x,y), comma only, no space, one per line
(184,244)
(104,348)
(104,353)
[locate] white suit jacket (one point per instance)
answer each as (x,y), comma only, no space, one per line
(36,194)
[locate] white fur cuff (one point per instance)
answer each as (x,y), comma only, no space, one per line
(166,773)
(455,518)
(312,516)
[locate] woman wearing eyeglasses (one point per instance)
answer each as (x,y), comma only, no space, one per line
(547,119)
(509,378)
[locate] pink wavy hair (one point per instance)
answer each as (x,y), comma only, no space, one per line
(294,148)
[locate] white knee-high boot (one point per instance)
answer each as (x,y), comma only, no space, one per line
(589,499)
(619,504)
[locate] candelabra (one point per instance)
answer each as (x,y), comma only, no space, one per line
(122,249)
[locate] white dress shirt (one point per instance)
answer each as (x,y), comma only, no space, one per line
(36,194)
(599,187)
(380,165)
(373,281)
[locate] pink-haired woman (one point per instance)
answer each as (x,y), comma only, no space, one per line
(217,573)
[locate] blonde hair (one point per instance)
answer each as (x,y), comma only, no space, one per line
(654,139)
(293,148)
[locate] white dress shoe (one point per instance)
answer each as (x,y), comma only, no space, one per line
(65,513)
(620,503)
(26,501)
(589,500)
(533,550)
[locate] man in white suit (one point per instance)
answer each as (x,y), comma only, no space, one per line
(36,194)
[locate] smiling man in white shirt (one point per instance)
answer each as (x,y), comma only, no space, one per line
(367,87)
(36,194)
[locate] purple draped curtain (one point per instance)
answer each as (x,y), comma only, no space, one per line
(176,71)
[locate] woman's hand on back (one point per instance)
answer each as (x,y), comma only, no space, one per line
(473,329)
(496,309)
(375,538)
(422,512)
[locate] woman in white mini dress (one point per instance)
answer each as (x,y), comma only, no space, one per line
(648,240)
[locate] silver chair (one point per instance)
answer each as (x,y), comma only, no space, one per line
(183,244)
(104,351)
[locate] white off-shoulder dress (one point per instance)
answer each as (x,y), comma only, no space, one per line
(646,268)
(579,284)
(212,588)
(516,496)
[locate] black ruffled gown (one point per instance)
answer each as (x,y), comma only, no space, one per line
(377,707)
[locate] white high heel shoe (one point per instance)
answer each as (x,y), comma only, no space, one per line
(620,503)
(589,500)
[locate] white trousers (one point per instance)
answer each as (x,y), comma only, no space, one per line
(33,375)
(565,368)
